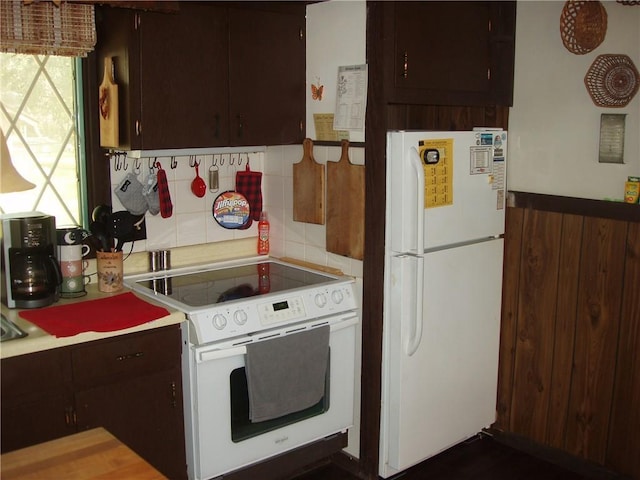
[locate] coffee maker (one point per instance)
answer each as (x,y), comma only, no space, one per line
(31,273)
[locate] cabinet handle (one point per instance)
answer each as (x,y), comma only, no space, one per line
(174,402)
(405,65)
(138,128)
(136,21)
(301,34)
(129,356)
(240,126)
(70,418)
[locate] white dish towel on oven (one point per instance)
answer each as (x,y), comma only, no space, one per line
(286,374)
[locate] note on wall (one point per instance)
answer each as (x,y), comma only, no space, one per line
(351,98)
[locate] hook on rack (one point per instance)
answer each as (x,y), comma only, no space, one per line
(174,163)
(193,161)
(214,161)
(120,161)
(136,166)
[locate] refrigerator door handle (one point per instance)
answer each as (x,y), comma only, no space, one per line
(415,337)
(416,164)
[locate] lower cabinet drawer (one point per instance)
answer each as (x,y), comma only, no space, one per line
(132,355)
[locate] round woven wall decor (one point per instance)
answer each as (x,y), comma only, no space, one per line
(612,80)
(583,25)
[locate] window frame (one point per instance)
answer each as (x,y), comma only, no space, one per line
(97,182)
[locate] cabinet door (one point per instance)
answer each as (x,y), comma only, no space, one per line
(37,404)
(129,356)
(145,413)
(184,77)
(450,53)
(172,74)
(118,38)
(267,76)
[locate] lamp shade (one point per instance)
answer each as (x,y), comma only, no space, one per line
(10,179)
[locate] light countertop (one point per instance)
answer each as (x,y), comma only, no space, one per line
(39,340)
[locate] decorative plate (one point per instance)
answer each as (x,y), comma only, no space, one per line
(612,80)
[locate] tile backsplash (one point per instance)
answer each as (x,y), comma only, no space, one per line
(192,222)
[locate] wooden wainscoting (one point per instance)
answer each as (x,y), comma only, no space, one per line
(570,340)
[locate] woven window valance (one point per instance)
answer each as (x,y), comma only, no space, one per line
(47,28)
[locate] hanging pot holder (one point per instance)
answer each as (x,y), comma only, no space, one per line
(249,184)
(150,192)
(129,192)
(166,207)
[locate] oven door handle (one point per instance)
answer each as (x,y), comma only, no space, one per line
(218,354)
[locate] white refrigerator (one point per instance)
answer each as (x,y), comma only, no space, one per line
(443,288)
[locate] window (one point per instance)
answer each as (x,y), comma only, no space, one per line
(40,97)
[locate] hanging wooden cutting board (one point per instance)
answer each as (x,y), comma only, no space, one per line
(108,106)
(345,206)
(308,187)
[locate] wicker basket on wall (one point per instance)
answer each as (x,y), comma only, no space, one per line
(583,25)
(612,80)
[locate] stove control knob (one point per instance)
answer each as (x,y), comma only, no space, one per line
(219,321)
(320,300)
(240,317)
(337,296)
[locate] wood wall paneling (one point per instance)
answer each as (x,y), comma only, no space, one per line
(598,316)
(569,375)
(514,219)
(565,324)
(624,430)
(438,117)
(535,323)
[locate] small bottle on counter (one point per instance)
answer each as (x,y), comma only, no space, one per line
(263,234)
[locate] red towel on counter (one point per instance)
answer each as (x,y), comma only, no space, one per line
(103,315)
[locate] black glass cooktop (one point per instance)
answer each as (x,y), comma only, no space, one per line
(197,289)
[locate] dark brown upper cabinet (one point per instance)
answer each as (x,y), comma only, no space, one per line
(450,53)
(208,75)
(267,76)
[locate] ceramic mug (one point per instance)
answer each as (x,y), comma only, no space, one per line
(73,268)
(72,287)
(69,253)
(72,235)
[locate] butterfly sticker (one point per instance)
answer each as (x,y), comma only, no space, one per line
(316,91)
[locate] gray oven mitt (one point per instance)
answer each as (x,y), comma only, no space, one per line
(150,192)
(129,192)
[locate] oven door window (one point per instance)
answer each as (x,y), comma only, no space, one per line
(242,428)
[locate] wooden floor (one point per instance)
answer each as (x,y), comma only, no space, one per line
(481,458)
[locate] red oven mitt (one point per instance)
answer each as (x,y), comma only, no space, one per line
(249,184)
(166,207)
